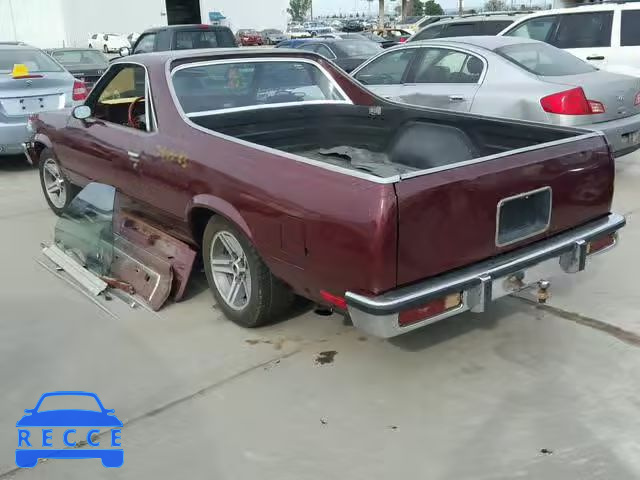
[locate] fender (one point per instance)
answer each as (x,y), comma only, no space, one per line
(221,207)
(43,139)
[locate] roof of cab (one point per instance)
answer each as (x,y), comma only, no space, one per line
(214,54)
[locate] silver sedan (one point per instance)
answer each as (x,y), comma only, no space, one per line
(31,82)
(509,77)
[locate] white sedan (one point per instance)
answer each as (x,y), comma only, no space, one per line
(108,42)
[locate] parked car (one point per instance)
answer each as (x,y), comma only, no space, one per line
(374,37)
(607,35)
(293,33)
(348,54)
(248,38)
(346,35)
(510,77)
(85,64)
(272,36)
(182,37)
(31,82)
(396,35)
(108,42)
(398,215)
(416,23)
(467,25)
(293,43)
(353,26)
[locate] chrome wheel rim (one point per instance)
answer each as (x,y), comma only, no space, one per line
(54,183)
(230,270)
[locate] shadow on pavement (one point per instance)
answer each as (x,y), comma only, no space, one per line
(14,163)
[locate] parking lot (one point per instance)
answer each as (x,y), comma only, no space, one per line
(517,392)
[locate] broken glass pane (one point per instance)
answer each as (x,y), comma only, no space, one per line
(85,230)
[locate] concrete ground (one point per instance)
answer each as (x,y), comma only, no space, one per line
(519,392)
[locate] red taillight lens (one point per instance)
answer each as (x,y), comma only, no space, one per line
(80,91)
(334,300)
(636,101)
(601,243)
(431,309)
(571,102)
(402,40)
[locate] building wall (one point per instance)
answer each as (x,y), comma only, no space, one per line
(248,13)
(37,22)
(109,16)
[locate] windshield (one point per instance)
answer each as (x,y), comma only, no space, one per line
(544,60)
(210,88)
(35,60)
(69,402)
(357,48)
(80,57)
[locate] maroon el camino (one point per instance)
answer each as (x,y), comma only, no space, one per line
(291,178)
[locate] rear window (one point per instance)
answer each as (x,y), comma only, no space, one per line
(218,87)
(544,60)
(493,27)
(35,60)
(80,57)
(459,30)
(630,34)
(357,48)
(187,40)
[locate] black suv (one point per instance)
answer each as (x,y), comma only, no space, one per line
(183,37)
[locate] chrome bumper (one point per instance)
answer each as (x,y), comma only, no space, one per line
(480,283)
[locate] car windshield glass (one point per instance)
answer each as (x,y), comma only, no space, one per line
(35,60)
(235,85)
(357,48)
(79,57)
(69,402)
(545,60)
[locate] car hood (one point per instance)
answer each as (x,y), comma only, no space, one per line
(69,418)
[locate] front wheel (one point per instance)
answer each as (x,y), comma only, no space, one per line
(58,190)
(241,283)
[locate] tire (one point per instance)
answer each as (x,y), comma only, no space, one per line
(52,175)
(90,46)
(105,49)
(268,299)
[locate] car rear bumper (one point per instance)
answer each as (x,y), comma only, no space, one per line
(12,136)
(483,282)
(618,134)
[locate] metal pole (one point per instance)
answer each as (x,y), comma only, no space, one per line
(13,21)
(460,7)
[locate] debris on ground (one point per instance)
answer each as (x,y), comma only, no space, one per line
(326,357)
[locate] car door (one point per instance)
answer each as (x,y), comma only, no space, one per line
(106,147)
(444,78)
(586,35)
(625,56)
(385,75)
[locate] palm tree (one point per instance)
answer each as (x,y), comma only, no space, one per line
(381,13)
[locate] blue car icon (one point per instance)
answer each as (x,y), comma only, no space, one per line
(101,417)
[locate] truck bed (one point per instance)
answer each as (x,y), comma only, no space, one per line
(389,142)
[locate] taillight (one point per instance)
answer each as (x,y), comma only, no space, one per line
(402,40)
(80,91)
(601,243)
(636,101)
(431,309)
(571,102)
(334,300)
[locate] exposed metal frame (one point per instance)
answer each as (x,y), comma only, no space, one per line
(521,195)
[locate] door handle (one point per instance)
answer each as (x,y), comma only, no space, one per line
(134,157)
(595,57)
(456,98)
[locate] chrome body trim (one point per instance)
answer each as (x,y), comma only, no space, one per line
(532,234)
(565,252)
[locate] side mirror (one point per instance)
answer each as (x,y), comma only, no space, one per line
(81,112)
(124,51)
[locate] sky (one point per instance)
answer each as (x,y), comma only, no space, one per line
(328,7)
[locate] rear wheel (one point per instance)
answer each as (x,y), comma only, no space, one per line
(242,284)
(58,190)
(105,49)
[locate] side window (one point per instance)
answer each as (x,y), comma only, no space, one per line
(430,32)
(105,37)
(459,30)
(541,28)
(94,36)
(494,27)
(584,30)
(325,52)
(111,101)
(146,43)
(389,69)
(630,33)
(448,66)
(309,47)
